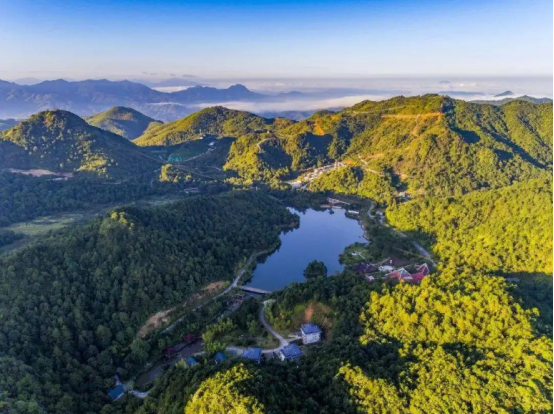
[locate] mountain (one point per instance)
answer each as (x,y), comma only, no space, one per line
(524,98)
(123,121)
(92,96)
(426,144)
(62,142)
(217,121)
(207,94)
(505,93)
(168,83)
(7,123)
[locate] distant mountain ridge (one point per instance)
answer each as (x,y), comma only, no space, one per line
(126,122)
(88,97)
(524,98)
(7,123)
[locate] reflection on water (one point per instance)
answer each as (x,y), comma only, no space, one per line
(321,236)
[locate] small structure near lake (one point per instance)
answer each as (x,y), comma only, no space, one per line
(220,357)
(290,352)
(117,392)
(311,333)
(253,354)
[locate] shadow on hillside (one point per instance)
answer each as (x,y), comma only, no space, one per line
(534,290)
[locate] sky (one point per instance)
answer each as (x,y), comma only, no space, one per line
(274,39)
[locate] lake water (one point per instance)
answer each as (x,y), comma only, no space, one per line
(321,236)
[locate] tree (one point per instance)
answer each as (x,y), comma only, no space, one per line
(315,269)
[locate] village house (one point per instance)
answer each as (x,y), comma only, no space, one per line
(399,274)
(290,352)
(117,392)
(253,354)
(220,357)
(311,333)
(369,278)
(191,361)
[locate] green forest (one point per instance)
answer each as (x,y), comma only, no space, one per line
(505,231)
(470,182)
(72,304)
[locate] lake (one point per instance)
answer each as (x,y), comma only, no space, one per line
(321,236)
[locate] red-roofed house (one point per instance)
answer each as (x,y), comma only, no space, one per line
(421,272)
(399,274)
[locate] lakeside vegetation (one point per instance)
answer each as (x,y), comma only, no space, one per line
(73,303)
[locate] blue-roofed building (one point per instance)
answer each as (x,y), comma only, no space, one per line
(290,352)
(310,333)
(254,354)
(117,392)
(190,361)
(220,357)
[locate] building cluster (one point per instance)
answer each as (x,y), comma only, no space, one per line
(394,269)
(316,172)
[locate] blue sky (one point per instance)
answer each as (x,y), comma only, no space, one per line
(212,39)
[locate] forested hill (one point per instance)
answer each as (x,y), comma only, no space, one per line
(71,305)
(61,141)
(502,231)
(126,122)
(217,121)
(429,144)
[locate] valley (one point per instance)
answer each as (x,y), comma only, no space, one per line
(136,261)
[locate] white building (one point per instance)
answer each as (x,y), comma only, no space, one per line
(310,333)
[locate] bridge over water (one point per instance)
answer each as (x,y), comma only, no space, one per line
(255,290)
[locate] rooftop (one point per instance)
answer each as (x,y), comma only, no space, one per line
(255,354)
(116,392)
(291,351)
(310,328)
(220,356)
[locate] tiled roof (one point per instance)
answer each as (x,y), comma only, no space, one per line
(310,328)
(116,392)
(291,351)
(254,354)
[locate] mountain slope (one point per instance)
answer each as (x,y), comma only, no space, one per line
(61,141)
(216,121)
(431,144)
(123,121)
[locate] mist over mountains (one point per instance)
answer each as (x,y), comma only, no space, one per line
(174,98)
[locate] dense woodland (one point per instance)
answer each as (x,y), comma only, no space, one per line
(24,198)
(72,304)
(465,340)
(427,144)
(459,342)
(63,142)
(506,231)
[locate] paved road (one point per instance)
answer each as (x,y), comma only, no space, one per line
(282,341)
(418,246)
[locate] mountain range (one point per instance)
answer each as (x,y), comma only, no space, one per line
(426,144)
(88,97)
(430,144)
